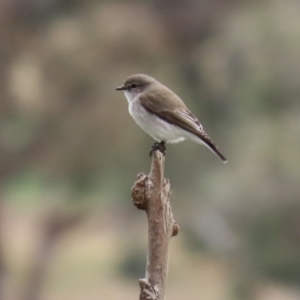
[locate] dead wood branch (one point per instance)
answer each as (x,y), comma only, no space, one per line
(152,194)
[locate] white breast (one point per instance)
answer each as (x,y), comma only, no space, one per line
(159,129)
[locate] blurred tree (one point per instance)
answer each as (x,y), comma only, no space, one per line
(63,128)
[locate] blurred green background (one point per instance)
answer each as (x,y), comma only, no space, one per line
(70,152)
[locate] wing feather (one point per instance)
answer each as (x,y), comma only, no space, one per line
(180,116)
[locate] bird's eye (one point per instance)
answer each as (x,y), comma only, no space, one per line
(133,85)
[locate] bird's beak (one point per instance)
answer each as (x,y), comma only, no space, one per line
(120,88)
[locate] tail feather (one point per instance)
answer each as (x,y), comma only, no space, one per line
(211,146)
(214,149)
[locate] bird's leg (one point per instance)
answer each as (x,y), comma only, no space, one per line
(158,146)
(162,147)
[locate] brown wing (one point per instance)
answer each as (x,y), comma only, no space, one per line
(180,115)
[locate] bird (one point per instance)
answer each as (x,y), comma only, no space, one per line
(162,114)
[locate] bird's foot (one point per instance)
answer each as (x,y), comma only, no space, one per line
(158,146)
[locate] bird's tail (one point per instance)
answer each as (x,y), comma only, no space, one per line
(214,149)
(205,139)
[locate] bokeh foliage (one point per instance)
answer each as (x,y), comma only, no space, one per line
(67,142)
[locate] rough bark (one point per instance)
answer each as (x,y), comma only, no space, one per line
(152,194)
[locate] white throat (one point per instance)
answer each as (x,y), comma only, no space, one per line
(130,96)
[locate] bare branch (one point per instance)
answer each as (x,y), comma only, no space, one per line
(152,194)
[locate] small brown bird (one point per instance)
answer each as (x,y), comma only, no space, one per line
(162,114)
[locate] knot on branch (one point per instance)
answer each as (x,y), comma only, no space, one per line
(175,229)
(148,292)
(138,192)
